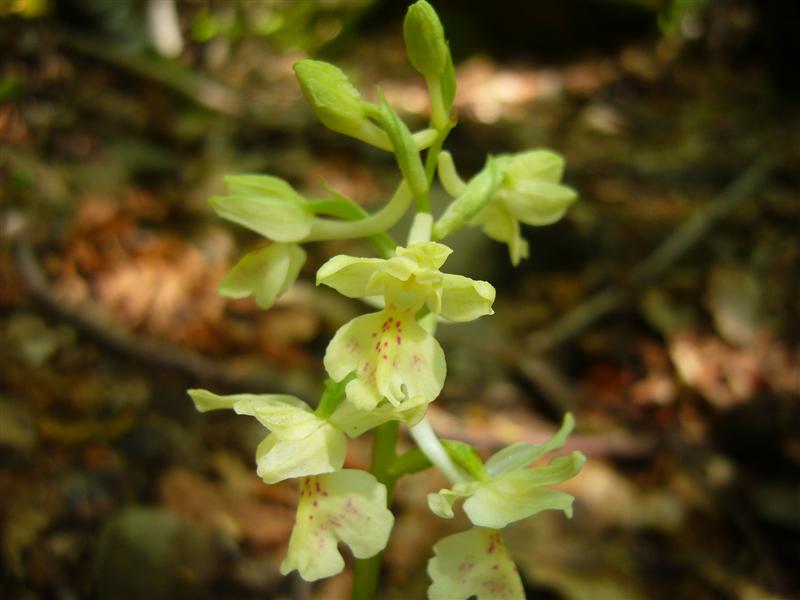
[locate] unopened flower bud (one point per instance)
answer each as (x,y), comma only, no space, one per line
(425,43)
(336,102)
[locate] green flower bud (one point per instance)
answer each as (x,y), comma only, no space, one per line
(337,103)
(329,92)
(425,44)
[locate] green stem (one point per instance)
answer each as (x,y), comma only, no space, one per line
(448,175)
(346,209)
(366,571)
(385,218)
(439,115)
(432,157)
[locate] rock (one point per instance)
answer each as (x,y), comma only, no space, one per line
(153,553)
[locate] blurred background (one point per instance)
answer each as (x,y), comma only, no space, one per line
(663,310)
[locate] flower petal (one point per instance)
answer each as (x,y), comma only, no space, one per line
(465,299)
(393,356)
(441,503)
(205,401)
(348,506)
(521,454)
(355,421)
(267,273)
(266,205)
(323,452)
(289,418)
(543,165)
(350,276)
(499,224)
(473,563)
(539,202)
(520,494)
(428,255)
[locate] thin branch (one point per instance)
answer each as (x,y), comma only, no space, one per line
(683,239)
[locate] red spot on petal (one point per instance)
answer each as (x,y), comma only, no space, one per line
(385,357)
(398,339)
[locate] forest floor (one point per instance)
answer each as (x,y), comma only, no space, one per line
(663,312)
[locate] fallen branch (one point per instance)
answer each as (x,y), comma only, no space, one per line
(88,319)
(686,236)
(196,88)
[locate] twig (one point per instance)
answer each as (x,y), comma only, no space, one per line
(657,263)
(201,90)
(158,353)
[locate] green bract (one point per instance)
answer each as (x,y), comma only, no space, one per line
(267,205)
(511,491)
(348,506)
(530,193)
(472,199)
(299,444)
(265,273)
(473,563)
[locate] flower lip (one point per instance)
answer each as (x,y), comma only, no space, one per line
(348,506)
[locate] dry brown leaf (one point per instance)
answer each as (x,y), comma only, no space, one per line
(211,505)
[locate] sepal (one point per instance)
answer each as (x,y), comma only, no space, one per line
(265,273)
(267,205)
(300,443)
